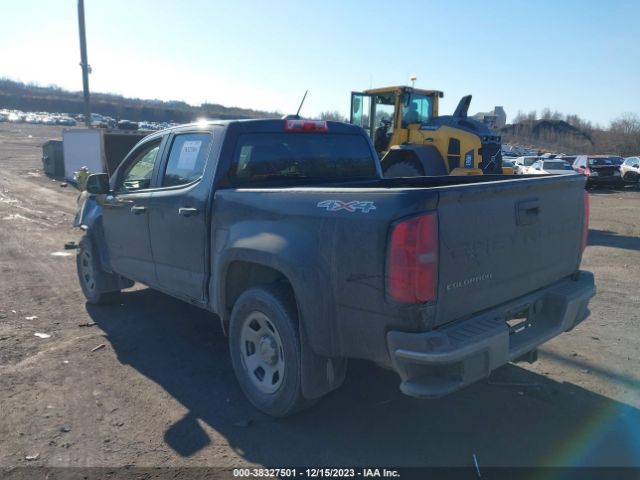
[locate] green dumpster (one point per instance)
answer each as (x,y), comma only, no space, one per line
(53,158)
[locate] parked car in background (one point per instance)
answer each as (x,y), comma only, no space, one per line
(508,163)
(522,164)
(551,167)
(16,116)
(66,120)
(630,170)
(600,169)
(567,158)
(127,125)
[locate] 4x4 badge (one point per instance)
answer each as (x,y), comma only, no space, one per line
(353,206)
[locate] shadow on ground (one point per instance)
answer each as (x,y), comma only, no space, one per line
(606,238)
(515,418)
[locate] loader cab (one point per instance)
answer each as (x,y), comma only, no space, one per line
(387,114)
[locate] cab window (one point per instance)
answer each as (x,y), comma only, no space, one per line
(384,109)
(416,109)
(187,159)
(273,157)
(137,175)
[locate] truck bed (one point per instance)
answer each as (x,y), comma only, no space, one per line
(500,237)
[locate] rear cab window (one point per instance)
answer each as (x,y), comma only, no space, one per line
(187,159)
(261,157)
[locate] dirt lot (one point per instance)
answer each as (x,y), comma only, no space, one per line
(161,391)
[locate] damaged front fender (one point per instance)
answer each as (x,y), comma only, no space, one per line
(89,211)
(89,219)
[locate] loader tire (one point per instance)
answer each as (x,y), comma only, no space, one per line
(403,169)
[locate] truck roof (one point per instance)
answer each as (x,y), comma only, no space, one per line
(404,88)
(263,124)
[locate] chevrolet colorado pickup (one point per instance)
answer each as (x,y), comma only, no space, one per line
(287,231)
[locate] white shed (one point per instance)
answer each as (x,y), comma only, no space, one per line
(100,150)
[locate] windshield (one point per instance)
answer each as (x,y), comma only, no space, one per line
(416,109)
(529,161)
(261,157)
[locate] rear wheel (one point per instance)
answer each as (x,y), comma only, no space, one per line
(264,343)
(403,169)
(91,276)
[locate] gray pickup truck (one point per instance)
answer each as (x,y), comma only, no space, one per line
(287,231)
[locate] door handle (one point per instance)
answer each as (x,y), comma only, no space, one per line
(116,201)
(138,209)
(188,211)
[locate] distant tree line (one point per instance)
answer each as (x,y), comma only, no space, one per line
(35,98)
(550,130)
(334,115)
(572,134)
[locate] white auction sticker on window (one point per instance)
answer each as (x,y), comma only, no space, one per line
(189,154)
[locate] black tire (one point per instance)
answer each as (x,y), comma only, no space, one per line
(91,276)
(403,169)
(259,312)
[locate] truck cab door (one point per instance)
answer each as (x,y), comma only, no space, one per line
(361,112)
(125,214)
(179,216)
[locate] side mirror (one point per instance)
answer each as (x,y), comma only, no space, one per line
(98,184)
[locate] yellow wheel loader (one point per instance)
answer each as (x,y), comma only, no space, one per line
(413,140)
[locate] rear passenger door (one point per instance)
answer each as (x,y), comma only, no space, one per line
(178,227)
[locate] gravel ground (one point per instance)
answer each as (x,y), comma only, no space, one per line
(161,392)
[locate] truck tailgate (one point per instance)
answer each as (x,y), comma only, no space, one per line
(501,240)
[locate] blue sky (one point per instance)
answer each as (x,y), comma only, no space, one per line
(579,57)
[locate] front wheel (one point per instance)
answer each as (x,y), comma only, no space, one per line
(265,350)
(91,276)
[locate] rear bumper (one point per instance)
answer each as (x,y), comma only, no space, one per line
(435,363)
(605,180)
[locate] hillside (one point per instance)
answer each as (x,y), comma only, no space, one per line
(32,98)
(556,135)
(575,136)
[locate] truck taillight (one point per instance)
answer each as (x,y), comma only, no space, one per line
(585,224)
(412,266)
(306,126)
